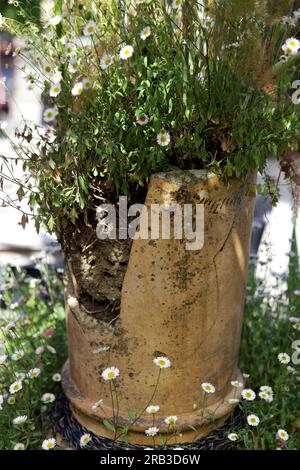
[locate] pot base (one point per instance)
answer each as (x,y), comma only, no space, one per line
(211,417)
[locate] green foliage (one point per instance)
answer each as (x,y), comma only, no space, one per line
(33,321)
(214,81)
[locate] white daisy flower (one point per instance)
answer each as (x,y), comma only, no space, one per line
(85,439)
(176,4)
(20,419)
(110,373)
(170,420)
(145,33)
(56,78)
(33,373)
(106,61)
(246,376)
(56,377)
(248,394)
(233,436)
(73,66)
(48,116)
(143,120)
(253,420)
(162,362)
(70,49)
(49,444)
(48,398)
(87,83)
(15,387)
(77,89)
(48,69)
(266,388)
(153,431)
(18,354)
(284,358)
(282,435)
(126,52)
(152,409)
(208,387)
(163,138)
(236,384)
(90,28)
(11,400)
(296,326)
(266,396)
(1,401)
(291,46)
(55,90)
(19,446)
(3,359)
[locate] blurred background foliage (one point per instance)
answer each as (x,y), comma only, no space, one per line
(33,9)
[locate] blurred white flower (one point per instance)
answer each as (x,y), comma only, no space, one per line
(3,359)
(70,49)
(18,354)
(106,61)
(291,46)
(55,90)
(19,446)
(208,387)
(85,439)
(49,115)
(282,435)
(170,420)
(162,362)
(163,138)
(87,83)
(56,377)
(152,409)
(284,358)
(73,66)
(248,394)
(233,436)
(49,444)
(33,373)
(20,419)
(48,398)
(253,420)
(151,432)
(110,373)
(77,89)
(126,52)
(90,28)
(145,33)
(15,387)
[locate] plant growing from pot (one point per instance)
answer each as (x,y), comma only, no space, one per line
(175,106)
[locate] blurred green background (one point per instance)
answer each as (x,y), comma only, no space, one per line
(10,11)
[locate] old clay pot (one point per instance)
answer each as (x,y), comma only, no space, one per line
(184,304)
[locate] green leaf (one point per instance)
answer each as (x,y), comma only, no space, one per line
(108,425)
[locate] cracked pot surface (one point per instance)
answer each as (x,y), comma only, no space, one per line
(168,301)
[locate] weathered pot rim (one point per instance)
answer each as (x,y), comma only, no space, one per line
(195,175)
(221,408)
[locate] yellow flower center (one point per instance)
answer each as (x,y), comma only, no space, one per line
(161,362)
(163,139)
(90,29)
(111,375)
